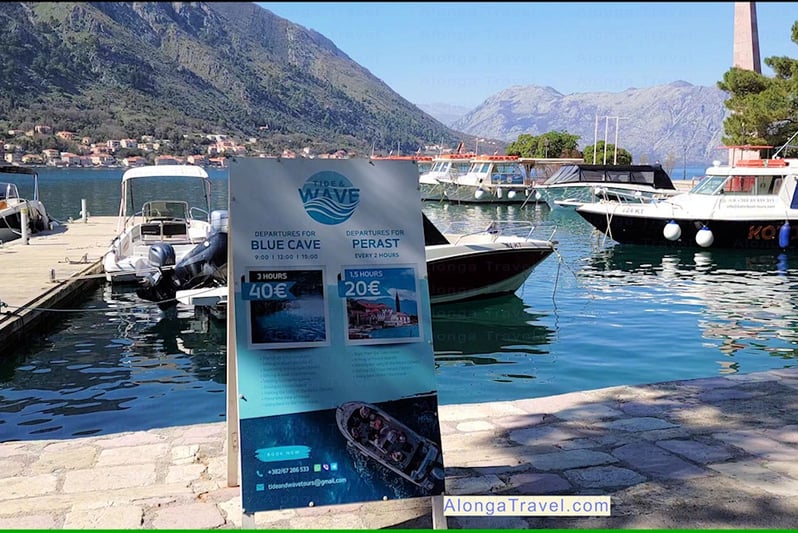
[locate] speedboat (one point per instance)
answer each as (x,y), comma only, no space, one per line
(392,444)
(159,204)
(445,168)
(752,203)
(493,179)
(461,265)
(574,185)
(13,207)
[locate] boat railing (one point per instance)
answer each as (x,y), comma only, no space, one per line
(464,231)
(612,194)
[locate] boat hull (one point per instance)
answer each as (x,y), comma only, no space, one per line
(431,191)
(467,194)
(469,272)
(742,234)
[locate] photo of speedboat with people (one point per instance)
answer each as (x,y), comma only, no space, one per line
(392,444)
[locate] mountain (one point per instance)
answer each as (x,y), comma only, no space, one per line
(676,121)
(114,69)
(177,70)
(447,114)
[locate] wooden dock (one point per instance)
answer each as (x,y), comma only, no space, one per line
(55,268)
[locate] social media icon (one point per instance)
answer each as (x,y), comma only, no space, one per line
(317,468)
(326,466)
(333,466)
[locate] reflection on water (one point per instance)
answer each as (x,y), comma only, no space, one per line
(116,366)
(746,299)
(500,336)
(592,315)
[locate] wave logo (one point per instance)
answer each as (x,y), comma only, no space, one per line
(329,197)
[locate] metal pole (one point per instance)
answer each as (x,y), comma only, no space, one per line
(606,126)
(595,140)
(438,517)
(23,223)
(615,158)
(84,212)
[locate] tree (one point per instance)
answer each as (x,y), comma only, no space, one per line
(551,144)
(623,157)
(764,110)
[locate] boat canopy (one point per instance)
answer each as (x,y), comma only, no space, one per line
(160,171)
(653,175)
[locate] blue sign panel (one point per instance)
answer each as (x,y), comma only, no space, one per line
(337,395)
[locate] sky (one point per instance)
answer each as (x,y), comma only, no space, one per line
(463,53)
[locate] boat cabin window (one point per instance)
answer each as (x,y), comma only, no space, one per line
(566,174)
(165,210)
(592,175)
(739,185)
(709,185)
(642,177)
(461,168)
(480,168)
(618,177)
(749,185)
(508,173)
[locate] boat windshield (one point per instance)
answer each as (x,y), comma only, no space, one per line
(8,190)
(709,185)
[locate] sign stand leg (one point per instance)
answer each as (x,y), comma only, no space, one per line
(438,518)
(247,520)
(233,474)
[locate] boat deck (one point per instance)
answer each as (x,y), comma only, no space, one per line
(45,274)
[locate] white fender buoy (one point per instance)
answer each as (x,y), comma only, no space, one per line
(538,196)
(704,237)
(478,193)
(784,235)
(672,231)
(511,195)
(499,192)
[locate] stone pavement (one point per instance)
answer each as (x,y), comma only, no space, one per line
(719,452)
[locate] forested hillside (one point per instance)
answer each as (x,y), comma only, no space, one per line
(168,69)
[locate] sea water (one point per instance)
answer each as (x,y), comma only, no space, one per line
(594,314)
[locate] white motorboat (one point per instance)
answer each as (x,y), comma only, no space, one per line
(168,204)
(752,203)
(574,185)
(13,206)
(462,264)
(445,168)
(494,179)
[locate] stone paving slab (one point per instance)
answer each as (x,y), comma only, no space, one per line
(718,452)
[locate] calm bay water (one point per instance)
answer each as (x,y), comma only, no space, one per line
(594,315)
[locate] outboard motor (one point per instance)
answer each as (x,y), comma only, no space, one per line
(203,266)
